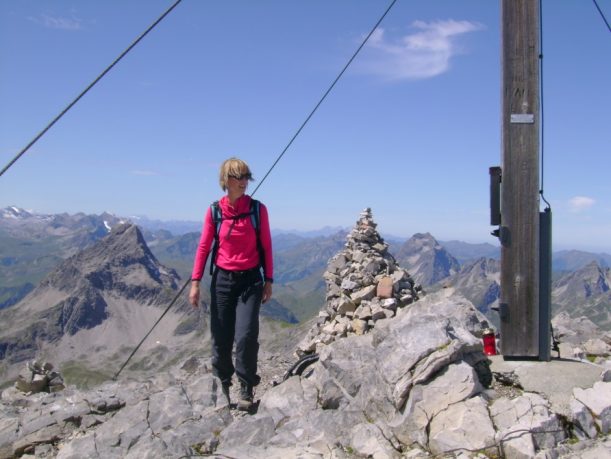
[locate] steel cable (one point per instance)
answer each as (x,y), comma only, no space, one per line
(602,15)
(325,95)
(91,85)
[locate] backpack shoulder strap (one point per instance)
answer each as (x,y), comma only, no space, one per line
(254,215)
(217,218)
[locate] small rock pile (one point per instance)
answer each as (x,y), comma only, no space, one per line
(364,285)
(39,377)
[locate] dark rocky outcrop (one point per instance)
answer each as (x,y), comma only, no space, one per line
(87,310)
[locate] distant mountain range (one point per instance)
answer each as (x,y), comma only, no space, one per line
(32,245)
(94,307)
(572,260)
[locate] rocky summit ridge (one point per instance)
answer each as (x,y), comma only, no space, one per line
(415,385)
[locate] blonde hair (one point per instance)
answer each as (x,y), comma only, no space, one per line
(232,167)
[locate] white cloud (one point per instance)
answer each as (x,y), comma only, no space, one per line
(580,203)
(61,23)
(144,173)
(424,53)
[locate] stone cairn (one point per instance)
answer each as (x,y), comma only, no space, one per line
(364,285)
(39,377)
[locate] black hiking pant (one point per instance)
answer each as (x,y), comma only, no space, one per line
(234,316)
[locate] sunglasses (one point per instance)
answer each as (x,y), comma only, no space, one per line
(247,176)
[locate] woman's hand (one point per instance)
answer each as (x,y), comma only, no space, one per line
(267,292)
(194,294)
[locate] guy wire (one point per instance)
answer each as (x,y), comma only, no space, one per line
(602,15)
(325,95)
(99,77)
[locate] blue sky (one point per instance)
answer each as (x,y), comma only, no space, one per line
(410,130)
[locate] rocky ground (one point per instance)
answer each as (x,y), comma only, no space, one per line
(365,397)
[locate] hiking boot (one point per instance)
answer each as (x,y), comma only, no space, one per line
(225,388)
(246,397)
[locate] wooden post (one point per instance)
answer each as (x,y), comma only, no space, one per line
(519,233)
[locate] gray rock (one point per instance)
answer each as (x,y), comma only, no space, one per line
(429,342)
(348,284)
(9,427)
(82,447)
(26,443)
(35,423)
(345,305)
(364,294)
(289,399)
(598,401)
(254,431)
(530,414)
(582,419)
(463,426)
(377,312)
(574,330)
(363,311)
(317,430)
(368,441)
(390,303)
(336,264)
(456,383)
(597,347)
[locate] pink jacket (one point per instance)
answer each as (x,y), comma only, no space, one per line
(238,250)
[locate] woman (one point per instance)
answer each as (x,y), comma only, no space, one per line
(237,288)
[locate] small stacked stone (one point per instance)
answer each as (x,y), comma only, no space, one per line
(364,285)
(39,377)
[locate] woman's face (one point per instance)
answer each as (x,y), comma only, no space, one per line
(236,185)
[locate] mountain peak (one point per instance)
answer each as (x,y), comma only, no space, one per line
(426,259)
(426,236)
(119,260)
(14,212)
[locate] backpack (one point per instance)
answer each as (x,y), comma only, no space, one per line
(217,218)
